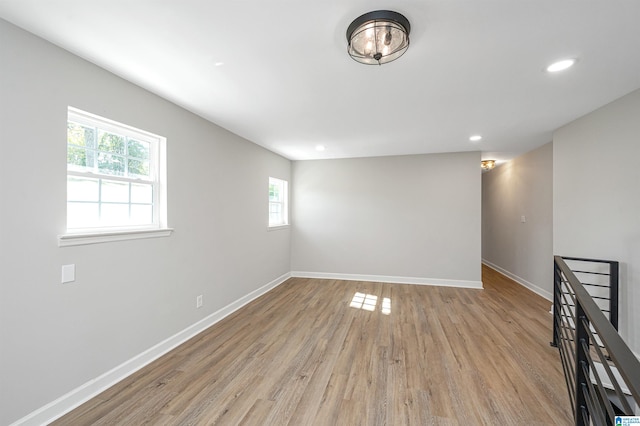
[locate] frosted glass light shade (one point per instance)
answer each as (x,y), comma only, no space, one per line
(378,37)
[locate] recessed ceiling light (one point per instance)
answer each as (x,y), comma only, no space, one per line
(219,64)
(475,138)
(320,148)
(561,65)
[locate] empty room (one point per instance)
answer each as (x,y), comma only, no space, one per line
(319,213)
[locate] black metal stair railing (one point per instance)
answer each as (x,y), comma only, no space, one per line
(602,373)
(600,279)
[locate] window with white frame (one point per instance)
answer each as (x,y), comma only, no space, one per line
(115,176)
(278,206)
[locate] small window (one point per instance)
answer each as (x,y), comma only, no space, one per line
(115,176)
(278,208)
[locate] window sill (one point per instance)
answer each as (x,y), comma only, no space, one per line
(107,237)
(278,227)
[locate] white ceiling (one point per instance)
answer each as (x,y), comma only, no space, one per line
(287,83)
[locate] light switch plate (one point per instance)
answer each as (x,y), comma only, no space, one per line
(68,273)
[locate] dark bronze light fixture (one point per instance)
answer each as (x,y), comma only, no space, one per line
(378,37)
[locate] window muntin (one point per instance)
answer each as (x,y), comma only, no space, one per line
(114,176)
(278,207)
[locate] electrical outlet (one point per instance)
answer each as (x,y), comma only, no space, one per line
(199,301)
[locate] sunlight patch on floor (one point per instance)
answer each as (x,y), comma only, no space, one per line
(368,302)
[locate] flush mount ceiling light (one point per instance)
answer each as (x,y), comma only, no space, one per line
(561,65)
(475,138)
(378,37)
(488,164)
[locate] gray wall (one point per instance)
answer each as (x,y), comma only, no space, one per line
(596,197)
(522,251)
(407,216)
(128,295)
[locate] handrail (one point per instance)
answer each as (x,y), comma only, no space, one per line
(577,325)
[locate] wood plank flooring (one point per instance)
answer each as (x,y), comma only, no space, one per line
(303,355)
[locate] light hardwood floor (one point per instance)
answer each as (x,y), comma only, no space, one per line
(302,355)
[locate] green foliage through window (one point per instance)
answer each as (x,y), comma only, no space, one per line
(109,153)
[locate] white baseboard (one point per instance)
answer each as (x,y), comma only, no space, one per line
(90,389)
(539,291)
(389,279)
